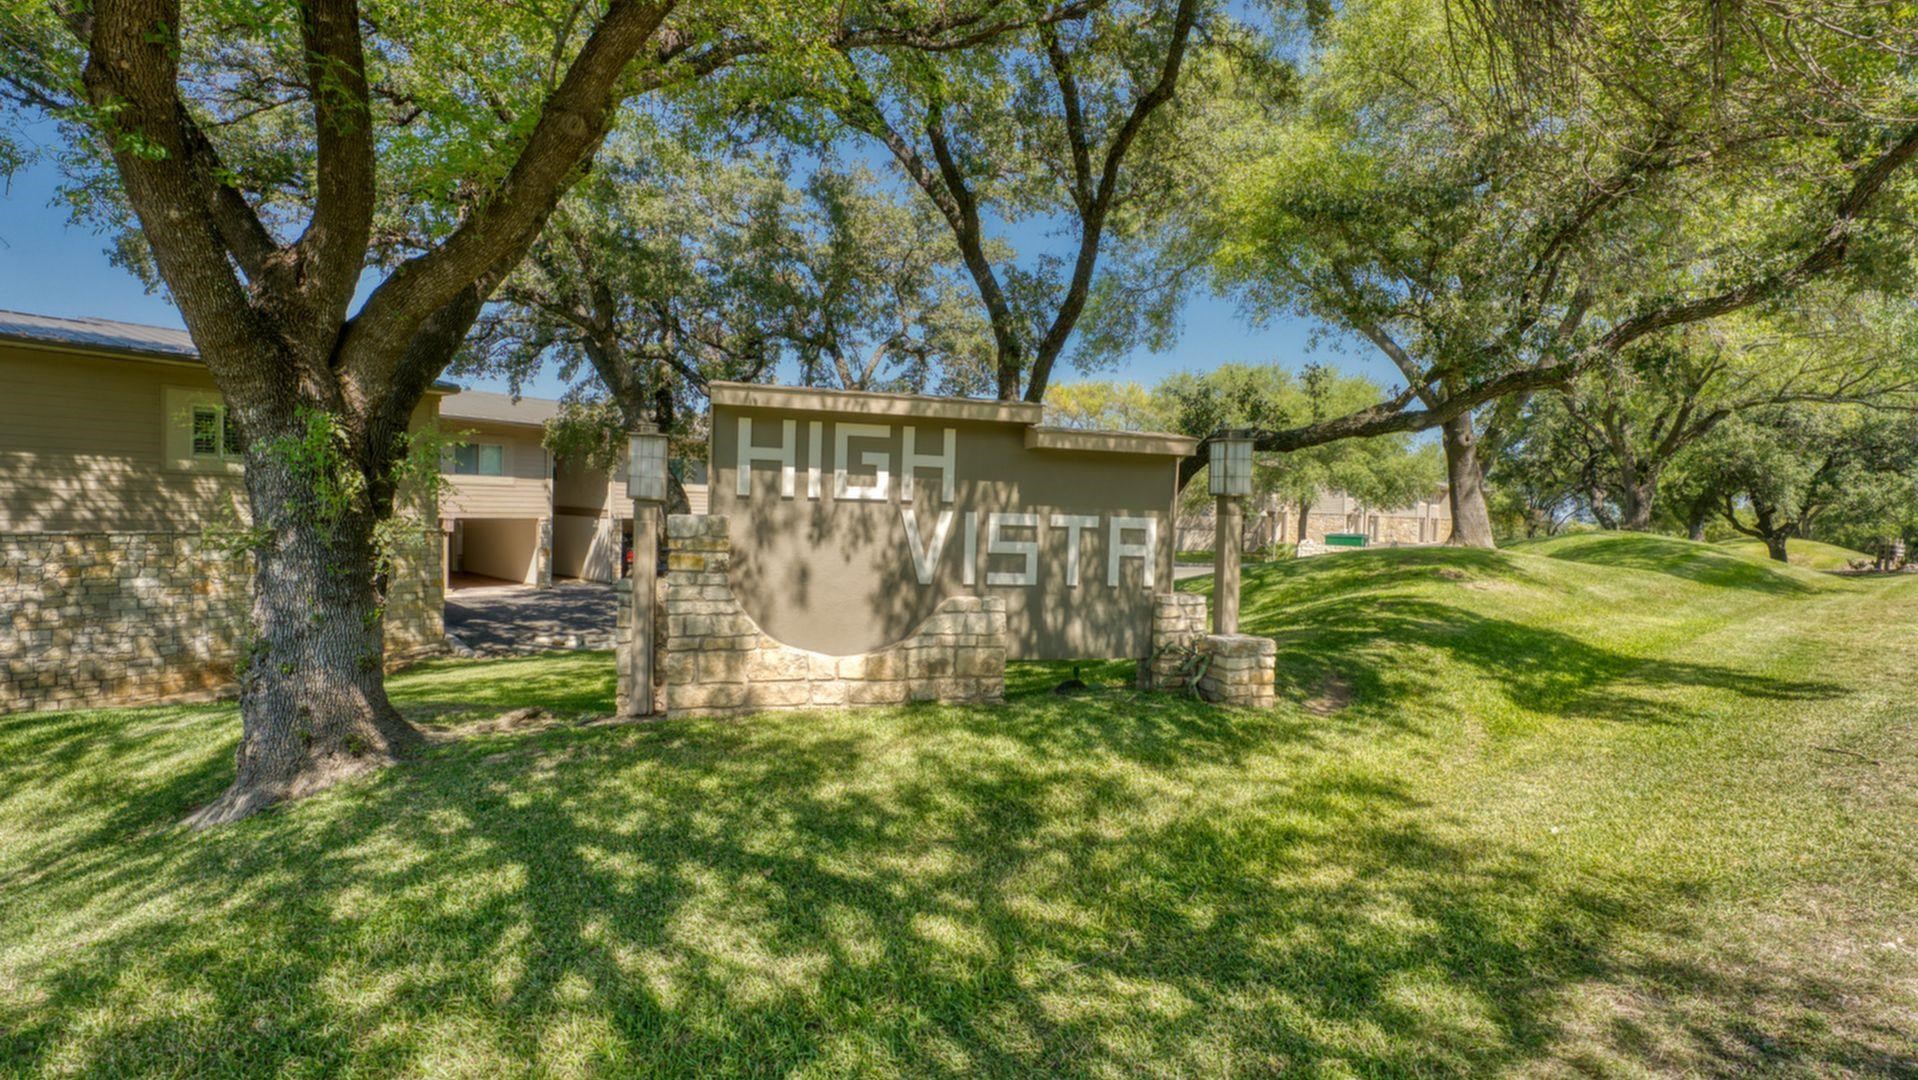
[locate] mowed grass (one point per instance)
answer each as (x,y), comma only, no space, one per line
(1599,805)
(1812,554)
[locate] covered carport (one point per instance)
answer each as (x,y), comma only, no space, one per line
(494,551)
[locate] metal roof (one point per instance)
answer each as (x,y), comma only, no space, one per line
(499,408)
(113,338)
(104,334)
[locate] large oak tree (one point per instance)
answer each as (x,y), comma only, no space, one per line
(270,153)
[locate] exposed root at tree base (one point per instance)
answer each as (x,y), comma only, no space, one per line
(246,799)
(531,718)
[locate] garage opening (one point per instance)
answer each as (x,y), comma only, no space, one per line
(494,551)
(585,547)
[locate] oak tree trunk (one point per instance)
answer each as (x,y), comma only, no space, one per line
(1637,495)
(1775,544)
(313,702)
(1471,518)
(1696,517)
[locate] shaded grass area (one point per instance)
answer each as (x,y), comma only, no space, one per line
(1573,813)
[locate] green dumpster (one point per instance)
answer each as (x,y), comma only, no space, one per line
(1344,540)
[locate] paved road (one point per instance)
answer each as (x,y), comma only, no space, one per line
(508,619)
(1182,571)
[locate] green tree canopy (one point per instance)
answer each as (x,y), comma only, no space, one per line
(1493,239)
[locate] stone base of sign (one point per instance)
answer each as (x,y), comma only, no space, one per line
(1240,670)
(715,660)
(91,619)
(1179,623)
(1232,669)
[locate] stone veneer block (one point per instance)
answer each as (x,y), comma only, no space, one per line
(1179,624)
(1241,671)
(103,618)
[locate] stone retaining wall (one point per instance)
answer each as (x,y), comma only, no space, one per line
(1232,669)
(95,619)
(715,660)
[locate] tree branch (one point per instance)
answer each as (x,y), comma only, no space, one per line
(333,247)
(1093,218)
(570,127)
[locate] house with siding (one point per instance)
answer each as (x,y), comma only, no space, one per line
(116,456)
(515,514)
(496,502)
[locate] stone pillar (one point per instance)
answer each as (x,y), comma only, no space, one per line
(1178,630)
(1239,671)
(1225,564)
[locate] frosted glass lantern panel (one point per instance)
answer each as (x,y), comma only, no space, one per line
(646,468)
(1231,466)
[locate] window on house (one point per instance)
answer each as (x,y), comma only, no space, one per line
(216,435)
(477,459)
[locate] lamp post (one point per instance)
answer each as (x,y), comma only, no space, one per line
(646,486)
(1229,471)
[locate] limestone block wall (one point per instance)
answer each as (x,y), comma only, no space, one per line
(90,619)
(1178,623)
(416,600)
(1237,668)
(715,660)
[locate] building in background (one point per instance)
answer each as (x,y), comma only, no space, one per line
(496,508)
(1271,521)
(513,513)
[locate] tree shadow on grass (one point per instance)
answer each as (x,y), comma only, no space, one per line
(1372,644)
(1679,558)
(1066,887)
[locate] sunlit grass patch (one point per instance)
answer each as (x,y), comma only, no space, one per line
(1567,809)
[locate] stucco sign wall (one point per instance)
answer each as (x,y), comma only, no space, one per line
(852,515)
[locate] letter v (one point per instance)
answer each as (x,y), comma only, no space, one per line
(923,561)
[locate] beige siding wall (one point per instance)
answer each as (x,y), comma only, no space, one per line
(93,444)
(697,497)
(526,489)
(83,446)
(578,486)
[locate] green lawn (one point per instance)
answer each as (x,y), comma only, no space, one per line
(1806,553)
(1598,805)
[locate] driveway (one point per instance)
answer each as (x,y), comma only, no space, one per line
(505,620)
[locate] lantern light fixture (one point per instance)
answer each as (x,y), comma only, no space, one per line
(1230,464)
(646,465)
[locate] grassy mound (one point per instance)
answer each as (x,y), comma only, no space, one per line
(1811,554)
(1598,805)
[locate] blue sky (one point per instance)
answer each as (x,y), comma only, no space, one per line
(51,267)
